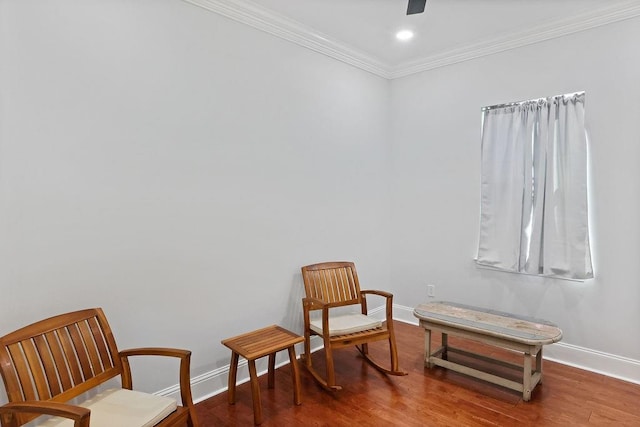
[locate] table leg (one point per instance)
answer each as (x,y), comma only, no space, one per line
(233,371)
(255,393)
(445,345)
(427,348)
(271,372)
(295,375)
(539,363)
(526,377)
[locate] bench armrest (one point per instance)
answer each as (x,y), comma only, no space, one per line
(313,303)
(156,351)
(10,412)
(185,368)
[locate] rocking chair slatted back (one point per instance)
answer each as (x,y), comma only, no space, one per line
(334,283)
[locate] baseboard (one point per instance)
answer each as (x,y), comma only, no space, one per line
(579,357)
(215,382)
(599,362)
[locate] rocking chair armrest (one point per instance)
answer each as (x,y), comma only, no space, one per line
(379,293)
(78,414)
(185,368)
(388,306)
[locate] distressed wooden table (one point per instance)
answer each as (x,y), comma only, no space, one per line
(523,334)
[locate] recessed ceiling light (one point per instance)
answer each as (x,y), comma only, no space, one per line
(404,35)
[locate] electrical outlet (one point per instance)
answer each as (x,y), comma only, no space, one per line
(431,291)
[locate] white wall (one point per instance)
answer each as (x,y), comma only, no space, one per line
(177,168)
(436,183)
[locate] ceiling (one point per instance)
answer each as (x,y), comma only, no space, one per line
(362,32)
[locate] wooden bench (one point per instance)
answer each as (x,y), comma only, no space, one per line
(69,356)
(523,334)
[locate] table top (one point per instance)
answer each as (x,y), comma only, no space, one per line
(527,330)
(262,342)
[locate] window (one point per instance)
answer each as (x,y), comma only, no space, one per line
(533,214)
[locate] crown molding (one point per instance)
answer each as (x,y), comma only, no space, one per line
(536,34)
(263,19)
(258,17)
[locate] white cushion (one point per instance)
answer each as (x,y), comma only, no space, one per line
(346,324)
(122,408)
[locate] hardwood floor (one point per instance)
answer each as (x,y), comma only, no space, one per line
(567,396)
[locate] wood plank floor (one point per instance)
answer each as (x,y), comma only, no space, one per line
(568,396)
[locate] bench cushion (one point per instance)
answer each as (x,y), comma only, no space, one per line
(346,324)
(122,408)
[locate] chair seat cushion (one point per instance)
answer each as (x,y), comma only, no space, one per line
(346,324)
(122,408)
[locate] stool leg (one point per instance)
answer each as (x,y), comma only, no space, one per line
(255,393)
(272,368)
(295,375)
(233,371)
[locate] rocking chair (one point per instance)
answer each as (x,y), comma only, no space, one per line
(332,285)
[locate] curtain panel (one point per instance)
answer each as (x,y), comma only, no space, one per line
(533,214)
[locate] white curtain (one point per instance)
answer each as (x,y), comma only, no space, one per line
(533,215)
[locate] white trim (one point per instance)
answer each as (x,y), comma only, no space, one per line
(622,368)
(202,385)
(263,19)
(256,16)
(554,29)
(215,382)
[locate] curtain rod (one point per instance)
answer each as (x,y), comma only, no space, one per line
(513,104)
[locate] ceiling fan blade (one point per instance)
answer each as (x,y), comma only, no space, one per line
(416,6)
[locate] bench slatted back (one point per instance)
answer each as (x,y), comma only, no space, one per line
(59,358)
(332,282)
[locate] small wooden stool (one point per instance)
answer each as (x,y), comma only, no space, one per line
(254,345)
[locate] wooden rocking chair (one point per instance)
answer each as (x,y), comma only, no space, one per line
(331,285)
